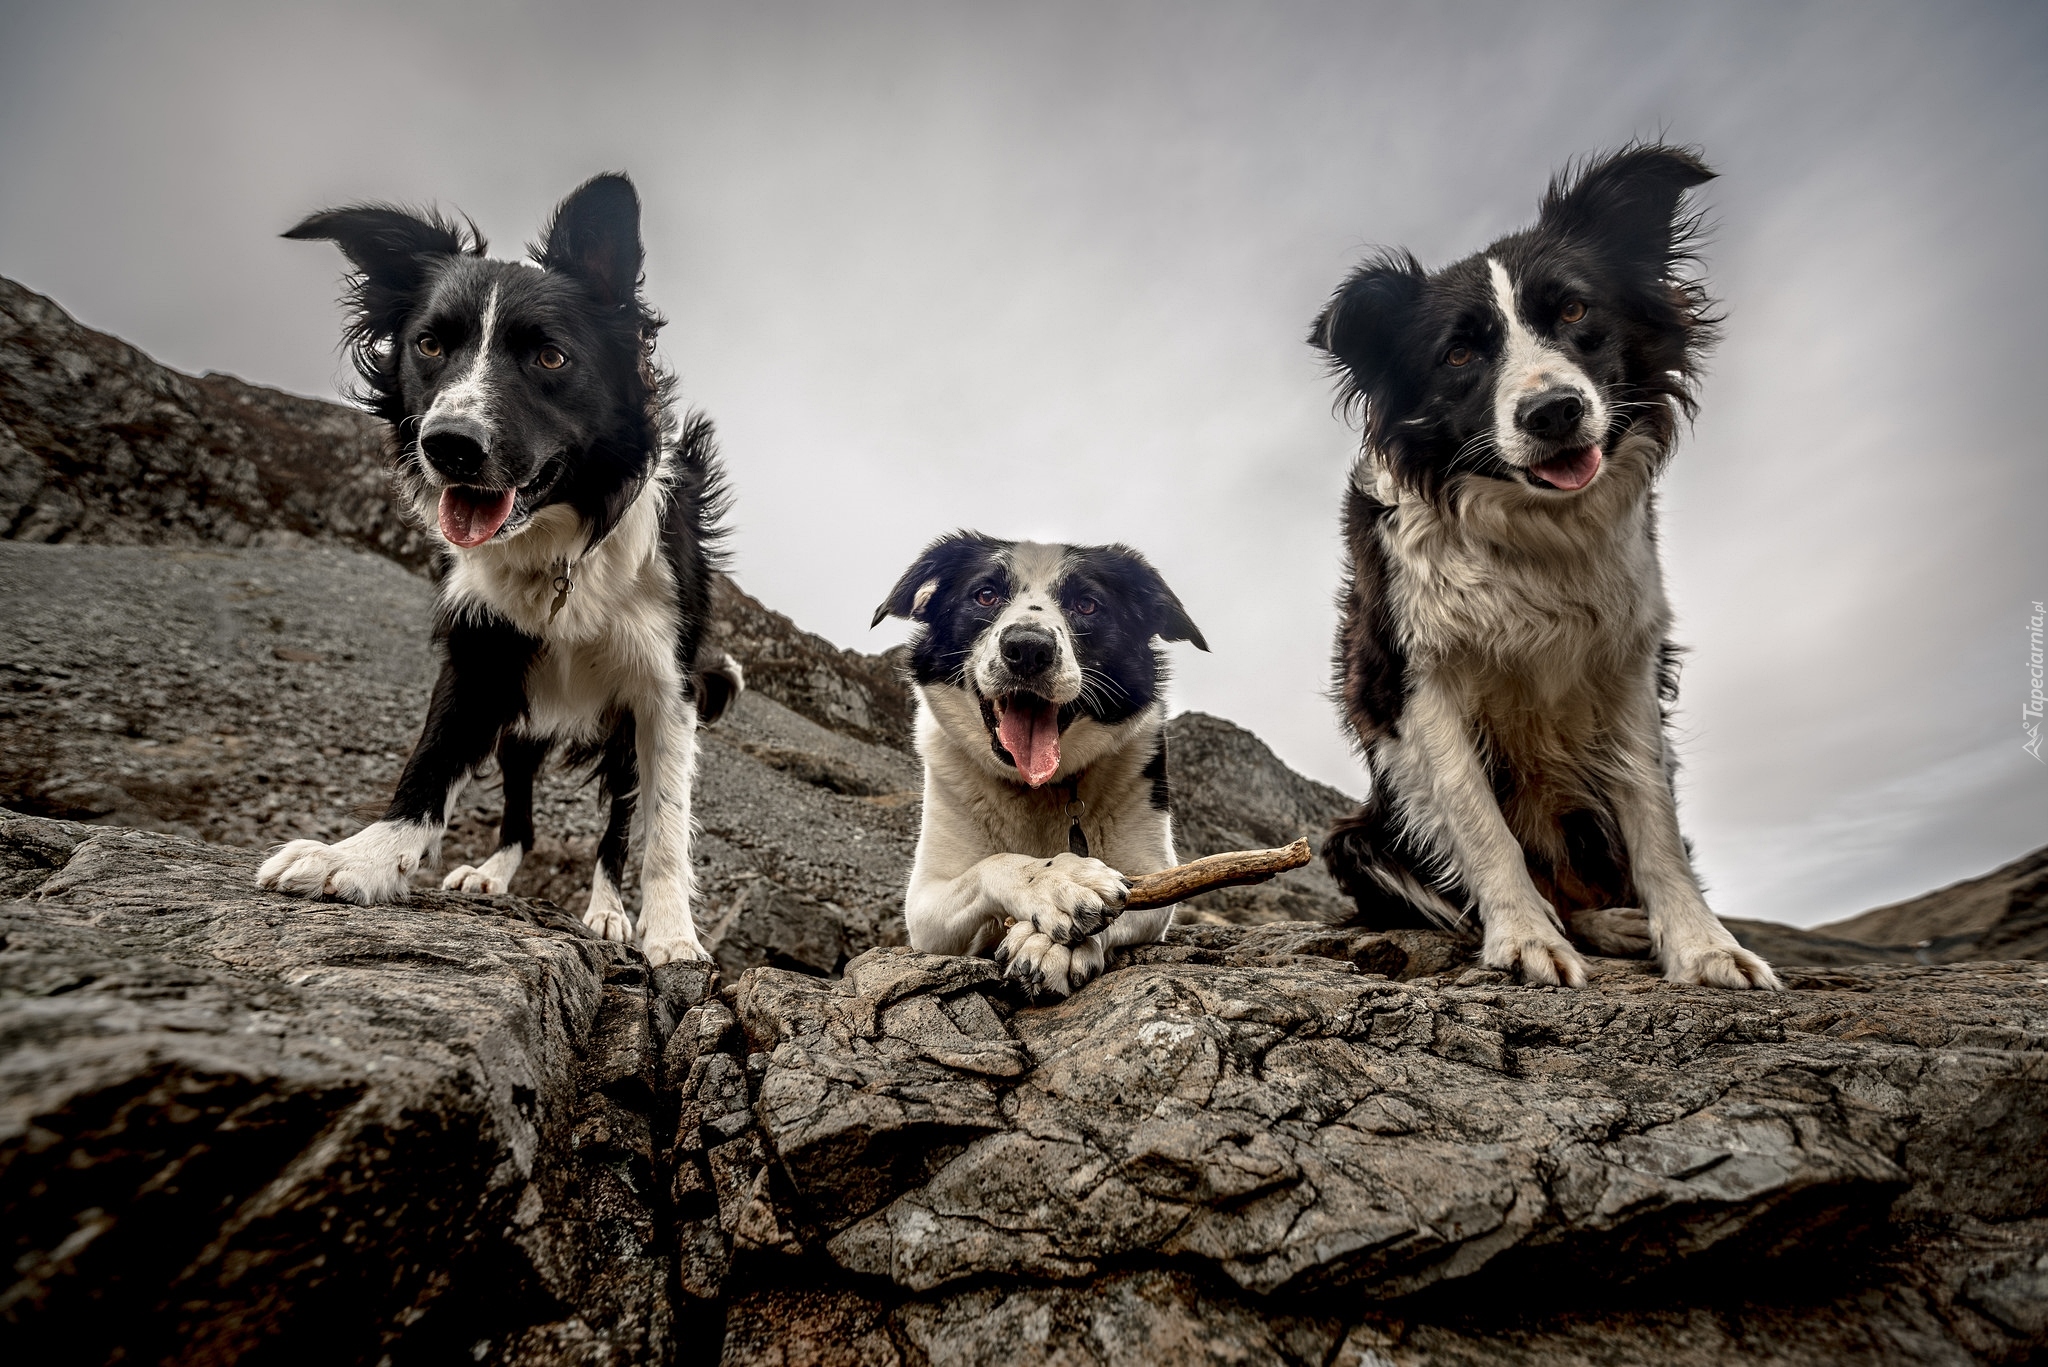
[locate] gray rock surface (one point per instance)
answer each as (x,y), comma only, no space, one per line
(239,1127)
(866,697)
(242,1125)
(1232,793)
(1242,1141)
(100,443)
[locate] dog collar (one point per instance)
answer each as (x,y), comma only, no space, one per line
(1077,839)
(562,584)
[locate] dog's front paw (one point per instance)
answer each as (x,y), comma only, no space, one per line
(667,932)
(469,878)
(1046,966)
(1716,965)
(610,923)
(1618,932)
(1535,951)
(374,865)
(1066,898)
(675,949)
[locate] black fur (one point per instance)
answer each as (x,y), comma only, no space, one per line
(1155,769)
(1609,234)
(957,566)
(1131,606)
(586,434)
(619,769)
(1612,236)
(1370,666)
(1114,643)
(480,693)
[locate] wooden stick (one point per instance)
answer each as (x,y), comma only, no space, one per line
(1234,869)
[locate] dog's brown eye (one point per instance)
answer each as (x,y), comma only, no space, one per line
(1572,312)
(987,598)
(1458,355)
(551,358)
(430,345)
(1084,607)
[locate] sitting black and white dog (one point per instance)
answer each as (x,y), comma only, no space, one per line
(533,428)
(1042,728)
(1503,657)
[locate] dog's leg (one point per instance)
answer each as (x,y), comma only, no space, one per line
(482,689)
(1443,796)
(668,767)
(519,759)
(1065,899)
(1689,939)
(1060,968)
(1086,958)
(1066,909)
(961,892)
(606,913)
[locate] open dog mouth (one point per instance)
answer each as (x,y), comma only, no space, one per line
(472,516)
(1567,470)
(1028,728)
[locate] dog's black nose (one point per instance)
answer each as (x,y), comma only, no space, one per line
(457,447)
(1029,651)
(1553,415)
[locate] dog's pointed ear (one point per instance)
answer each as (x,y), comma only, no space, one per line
(393,251)
(1360,328)
(936,567)
(1131,576)
(392,248)
(595,236)
(1628,203)
(1176,625)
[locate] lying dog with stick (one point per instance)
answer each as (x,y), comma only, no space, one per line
(1043,735)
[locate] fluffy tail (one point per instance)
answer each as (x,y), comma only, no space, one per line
(1383,874)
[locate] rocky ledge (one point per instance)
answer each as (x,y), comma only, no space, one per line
(242,1126)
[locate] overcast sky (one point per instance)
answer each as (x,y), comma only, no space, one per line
(1046,270)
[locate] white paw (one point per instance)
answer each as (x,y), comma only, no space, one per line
(1713,965)
(373,865)
(1536,951)
(1066,898)
(1047,966)
(469,878)
(676,949)
(667,933)
(1620,932)
(610,924)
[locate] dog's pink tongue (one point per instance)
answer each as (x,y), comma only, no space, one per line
(470,517)
(1572,470)
(1029,729)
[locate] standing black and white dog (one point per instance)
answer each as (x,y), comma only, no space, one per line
(1042,728)
(1503,657)
(533,428)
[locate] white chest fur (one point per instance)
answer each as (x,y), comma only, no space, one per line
(1540,598)
(612,640)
